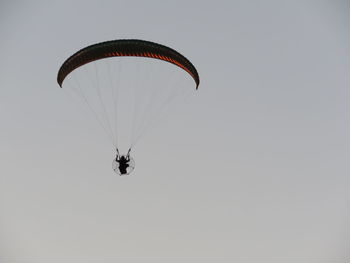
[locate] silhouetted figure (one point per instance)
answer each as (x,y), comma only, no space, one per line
(123,164)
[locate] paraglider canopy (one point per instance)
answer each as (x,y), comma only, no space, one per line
(124,48)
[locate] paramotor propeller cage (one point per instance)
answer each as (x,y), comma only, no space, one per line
(123,164)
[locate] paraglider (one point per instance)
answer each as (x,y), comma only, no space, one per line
(106,87)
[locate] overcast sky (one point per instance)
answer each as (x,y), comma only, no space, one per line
(254,168)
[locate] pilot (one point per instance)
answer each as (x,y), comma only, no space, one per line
(123,164)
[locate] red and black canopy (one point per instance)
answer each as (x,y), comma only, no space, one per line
(126,47)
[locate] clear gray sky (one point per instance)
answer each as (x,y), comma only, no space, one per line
(254,169)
